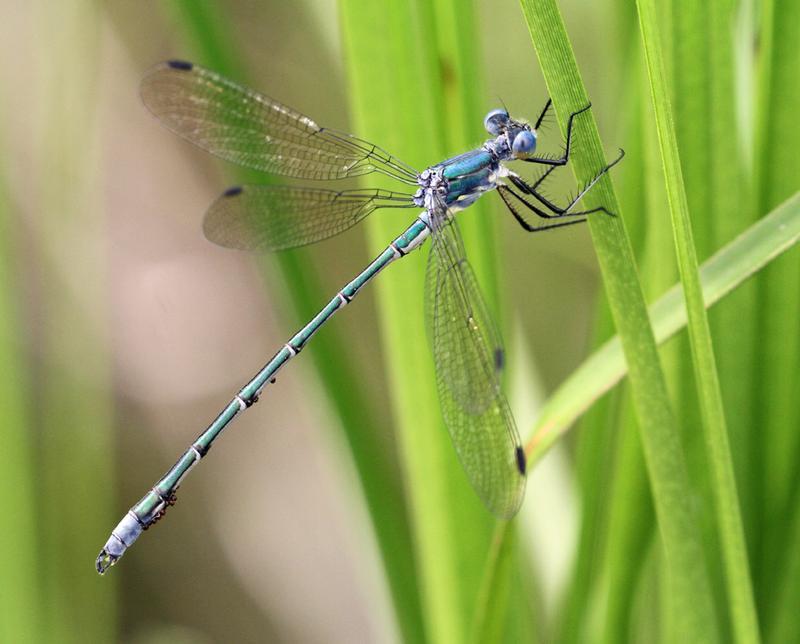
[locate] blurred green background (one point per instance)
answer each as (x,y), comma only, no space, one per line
(335,510)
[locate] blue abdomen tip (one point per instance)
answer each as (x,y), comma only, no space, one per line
(232,192)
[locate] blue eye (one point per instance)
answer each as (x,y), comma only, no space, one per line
(524,143)
(495,121)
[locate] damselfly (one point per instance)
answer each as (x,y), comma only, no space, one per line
(248,128)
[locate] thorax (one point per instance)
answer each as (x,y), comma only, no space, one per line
(457,182)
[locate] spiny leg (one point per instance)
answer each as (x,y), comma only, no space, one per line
(539,212)
(543,114)
(531,189)
(540,180)
(556,163)
(537,182)
(568,146)
(505,191)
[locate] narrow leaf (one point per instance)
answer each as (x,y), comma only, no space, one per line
(666,466)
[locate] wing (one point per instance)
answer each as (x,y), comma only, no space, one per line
(464,348)
(250,129)
(280,217)
(454,247)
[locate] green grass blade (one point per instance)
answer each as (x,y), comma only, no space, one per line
(205,27)
(457,41)
(666,466)
(631,527)
(687,56)
(688,86)
(630,530)
(73,391)
(782,625)
(733,323)
(777,169)
(607,425)
(404,111)
(20,577)
(730,532)
(594,463)
(493,597)
(760,244)
(720,275)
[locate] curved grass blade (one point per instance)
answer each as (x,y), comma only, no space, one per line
(761,243)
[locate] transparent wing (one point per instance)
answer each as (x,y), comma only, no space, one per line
(475,410)
(280,217)
(494,341)
(248,128)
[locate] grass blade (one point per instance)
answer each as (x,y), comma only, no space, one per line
(777,170)
(782,625)
(73,398)
(763,242)
(20,579)
(206,28)
(730,532)
(666,466)
(609,427)
(733,324)
(405,112)
(630,530)
(493,598)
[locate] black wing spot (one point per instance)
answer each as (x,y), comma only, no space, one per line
(232,192)
(521,463)
(499,359)
(180,64)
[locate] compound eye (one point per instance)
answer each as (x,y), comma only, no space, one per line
(495,121)
(524,143)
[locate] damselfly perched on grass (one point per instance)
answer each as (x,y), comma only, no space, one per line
(248,128)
